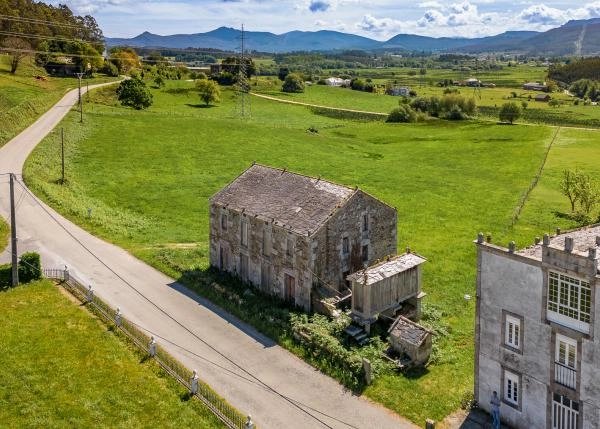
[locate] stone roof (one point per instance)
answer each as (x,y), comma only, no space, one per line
(397,264)
(408,331)
(298,203)
(583,239)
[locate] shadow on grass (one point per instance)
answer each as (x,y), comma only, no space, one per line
(185,397)
(200,106)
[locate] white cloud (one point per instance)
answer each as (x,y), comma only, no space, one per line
(431,5)
(371,24)
(542,14)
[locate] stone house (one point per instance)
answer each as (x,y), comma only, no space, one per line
(535,330)
(289,234)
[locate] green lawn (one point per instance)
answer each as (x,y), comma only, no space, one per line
(148,175)
(61,367)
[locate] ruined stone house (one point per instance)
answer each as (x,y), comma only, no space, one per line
(536,322)
(287,233)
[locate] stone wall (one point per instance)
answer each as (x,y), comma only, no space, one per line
(332,260)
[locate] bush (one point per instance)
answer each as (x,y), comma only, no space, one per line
(110,69)
(134,93)
(30,267)
(293,83)
(509,112)
(402,113)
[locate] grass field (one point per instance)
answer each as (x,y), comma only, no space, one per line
(148,176)
(491,98)
(23,97)
(60,367)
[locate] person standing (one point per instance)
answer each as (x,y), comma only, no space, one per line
(495,407)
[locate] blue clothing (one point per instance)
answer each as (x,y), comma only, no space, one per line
(495,407)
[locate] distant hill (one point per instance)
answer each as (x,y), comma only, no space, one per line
(579,38)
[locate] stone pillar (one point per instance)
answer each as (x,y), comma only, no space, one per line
(367,368)
(90,294)
(249,423)
(118,316)
(66,273)
(152,347)
(194,383)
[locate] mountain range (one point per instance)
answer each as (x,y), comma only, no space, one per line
(581,38)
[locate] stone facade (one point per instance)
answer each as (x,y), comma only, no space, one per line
(535,331)
(285,233)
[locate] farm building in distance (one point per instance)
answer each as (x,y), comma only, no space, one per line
(290,234)
(535,86)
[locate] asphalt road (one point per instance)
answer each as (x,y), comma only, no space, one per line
(249,370)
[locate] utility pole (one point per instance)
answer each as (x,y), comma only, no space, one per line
(62,155)
(13,233)
(79,76)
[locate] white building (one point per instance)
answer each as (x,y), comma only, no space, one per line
(535,330)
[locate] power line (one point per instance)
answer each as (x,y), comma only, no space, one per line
(26,20)
(169,316)
(38,36)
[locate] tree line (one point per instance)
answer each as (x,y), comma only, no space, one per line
(28,26)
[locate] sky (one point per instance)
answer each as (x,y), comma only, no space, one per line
(376,19)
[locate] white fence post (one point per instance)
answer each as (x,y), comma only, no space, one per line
(118,317)
(152,347)
(194,383)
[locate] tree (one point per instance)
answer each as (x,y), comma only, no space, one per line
(509,112)
(208,90)
(586,192)
(17,49)
(125,59)
(568,186)
(159,81)
(134,93)
(293,83)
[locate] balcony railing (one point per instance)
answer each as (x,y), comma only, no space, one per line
(565,375)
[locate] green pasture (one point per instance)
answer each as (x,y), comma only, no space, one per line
(61,367)
(23,97)
(147,177)
(488,99)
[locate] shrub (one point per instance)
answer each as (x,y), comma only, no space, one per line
(293,83)
(134,93)
(402,113)
(30,267)
(509,112)
(110,69)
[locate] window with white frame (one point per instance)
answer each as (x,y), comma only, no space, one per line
(512,386)
(569,297)
(512,332)
(566,351)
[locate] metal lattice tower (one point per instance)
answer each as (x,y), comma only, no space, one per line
(242,86)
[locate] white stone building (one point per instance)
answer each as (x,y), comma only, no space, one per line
(536,326)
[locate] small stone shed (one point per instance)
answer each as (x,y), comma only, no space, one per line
(411,339)
(386,287)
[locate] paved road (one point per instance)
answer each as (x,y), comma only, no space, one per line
(250,371)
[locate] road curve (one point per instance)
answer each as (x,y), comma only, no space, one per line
(252,372)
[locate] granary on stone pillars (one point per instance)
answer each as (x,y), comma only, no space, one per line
(386,288)
(290,234)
